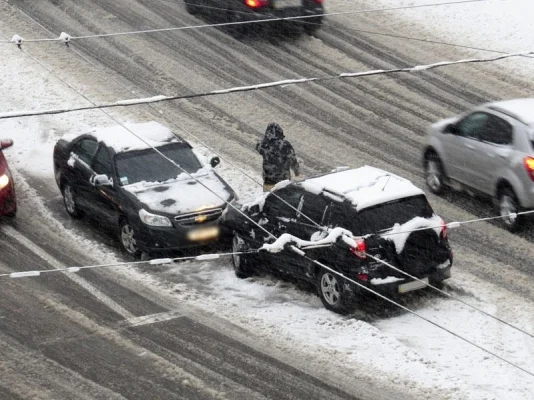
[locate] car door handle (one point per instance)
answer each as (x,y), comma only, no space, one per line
(470,146)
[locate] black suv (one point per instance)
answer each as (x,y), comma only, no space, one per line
(253,10)
(391,216)
(129,187)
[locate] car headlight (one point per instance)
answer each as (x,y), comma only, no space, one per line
(153,219)
(4,181)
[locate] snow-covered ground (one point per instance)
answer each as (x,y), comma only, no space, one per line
(400,350)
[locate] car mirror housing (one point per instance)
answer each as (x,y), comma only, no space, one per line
(102,180)
(215,161)
(5,143)
(451,128)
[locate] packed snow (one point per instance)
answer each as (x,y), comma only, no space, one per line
(369,186)
(398,350)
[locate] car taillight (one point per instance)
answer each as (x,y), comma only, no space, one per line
(359,249)
(362,277)
(256,3)
(443,233)
(529,166)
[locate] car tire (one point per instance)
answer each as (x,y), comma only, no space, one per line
(508,204)
(434,173)
(191,8)
(331,292)
(311,27)
(69,200)
(241,262)
(127,239)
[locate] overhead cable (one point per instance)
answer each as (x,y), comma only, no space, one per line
(428,284)
(322,265)
(66,38)
(261,86)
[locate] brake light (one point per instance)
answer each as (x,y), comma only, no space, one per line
(443,233)
(318,1)
(256,3)
(362,277)
(529,166)
(359,249)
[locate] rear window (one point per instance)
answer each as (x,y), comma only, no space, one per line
(384,216)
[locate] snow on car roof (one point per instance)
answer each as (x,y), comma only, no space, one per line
(121,139)
(364,187)
(521,109)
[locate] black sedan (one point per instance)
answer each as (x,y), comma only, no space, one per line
(253,10)
(134,187)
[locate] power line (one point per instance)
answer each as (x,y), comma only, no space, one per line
(66,38)
(173,122)
(428,284)
(419,316)
(33,273)
(155,261)
(261,86)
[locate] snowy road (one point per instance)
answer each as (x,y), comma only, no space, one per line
(374,120)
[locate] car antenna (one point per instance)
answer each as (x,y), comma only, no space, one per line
(385,184)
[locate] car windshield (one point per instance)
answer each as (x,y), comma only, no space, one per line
(148,165)
(384,216)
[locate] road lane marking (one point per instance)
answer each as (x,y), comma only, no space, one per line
(153,318)
(8,230)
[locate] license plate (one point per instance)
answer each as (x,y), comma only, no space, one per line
(287,3)
(415,285)
(199,235)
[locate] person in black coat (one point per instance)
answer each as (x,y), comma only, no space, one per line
(278,157)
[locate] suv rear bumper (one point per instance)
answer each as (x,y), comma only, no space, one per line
(393,288)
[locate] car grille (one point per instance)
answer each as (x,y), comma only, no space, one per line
(199,217)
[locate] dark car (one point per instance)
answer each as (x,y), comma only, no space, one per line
(130,187)
(8,201)
(388,216)
(253,10)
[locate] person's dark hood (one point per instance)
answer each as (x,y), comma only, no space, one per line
(274,132)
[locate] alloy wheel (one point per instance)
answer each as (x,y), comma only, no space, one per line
(330,289)
(128,239)
(507,206)
(433,175)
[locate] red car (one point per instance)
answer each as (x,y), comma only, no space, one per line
(8,203)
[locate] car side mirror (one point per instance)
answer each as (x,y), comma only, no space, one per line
(254,210)
(101,180)
(215,161)
(5,143)
(451,128)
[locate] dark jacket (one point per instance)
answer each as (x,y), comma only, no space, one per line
(278,155)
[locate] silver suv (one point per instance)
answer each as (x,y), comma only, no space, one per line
(488,151)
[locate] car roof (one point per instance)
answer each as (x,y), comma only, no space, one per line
(121,139)
(364,187)
(520,109)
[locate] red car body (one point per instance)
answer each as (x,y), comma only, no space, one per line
(8,202)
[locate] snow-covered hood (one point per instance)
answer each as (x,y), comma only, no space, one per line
(183,194)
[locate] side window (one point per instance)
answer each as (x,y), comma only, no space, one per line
(277,205)
(85,149)
(314,208)
(498,131)
(473,125)
(102,162)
